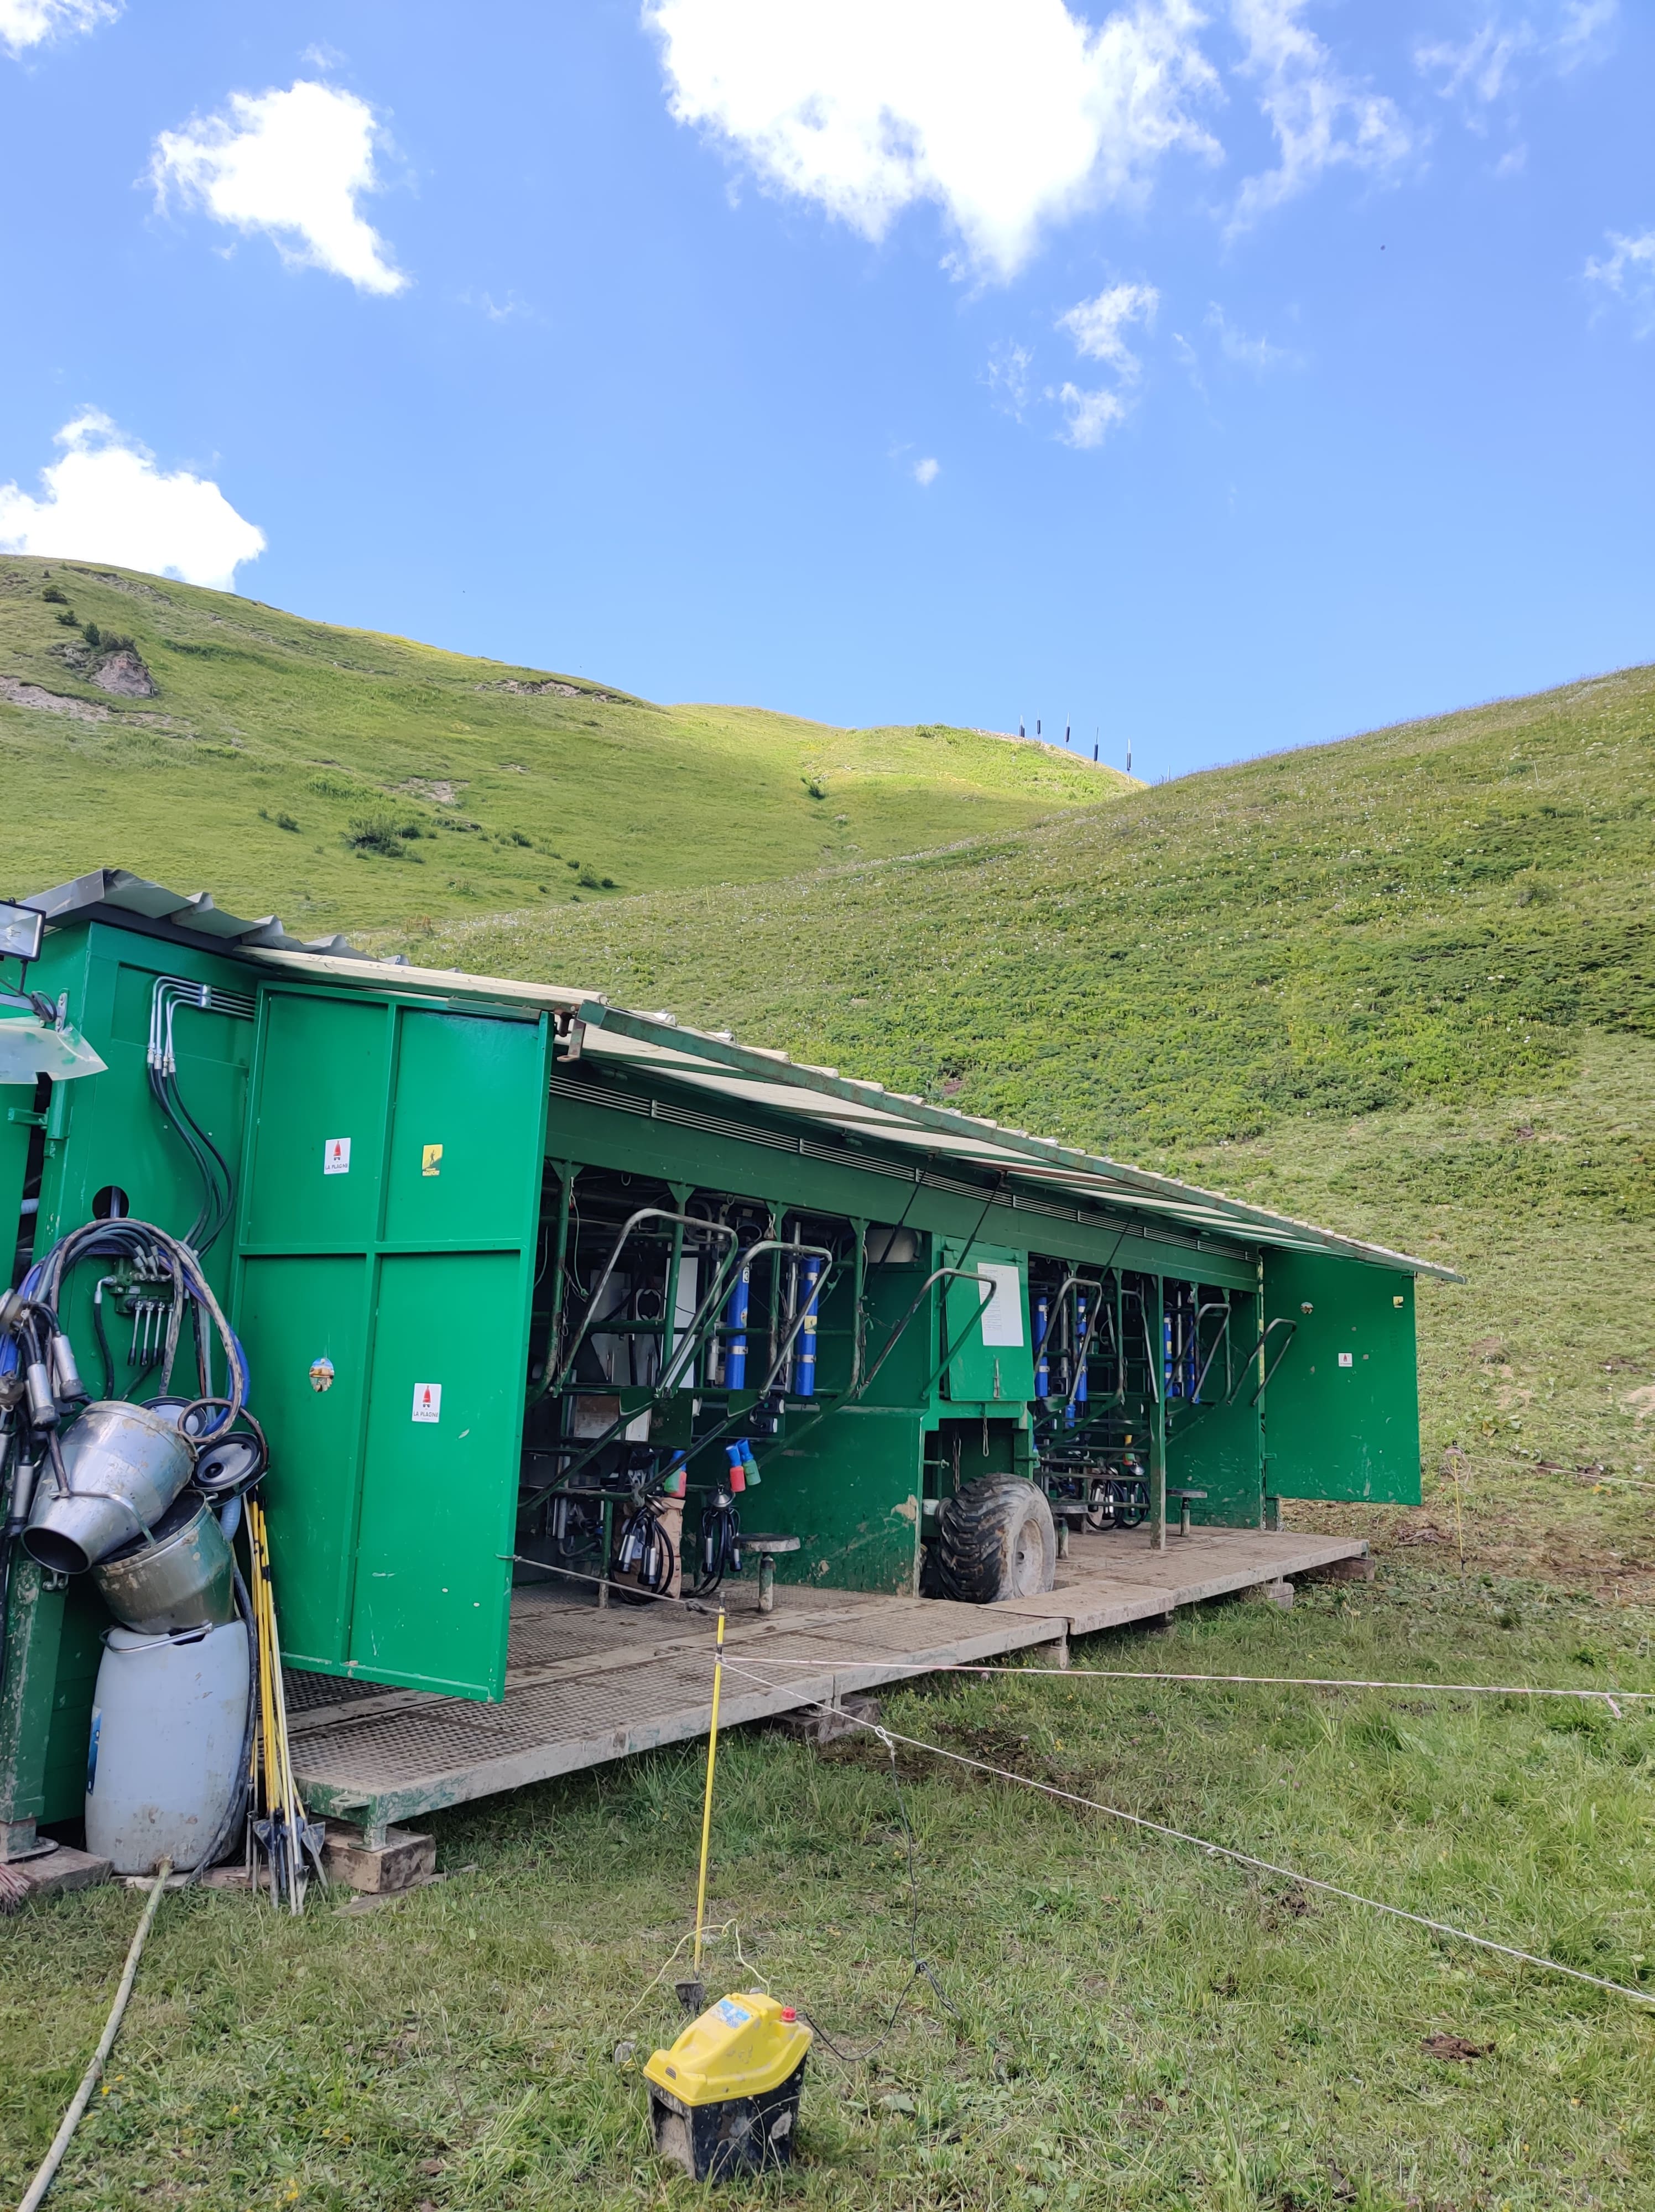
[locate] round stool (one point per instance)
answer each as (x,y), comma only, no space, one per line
(1183,1497)
(768,1548)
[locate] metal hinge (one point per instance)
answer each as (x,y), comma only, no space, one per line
(26,1117)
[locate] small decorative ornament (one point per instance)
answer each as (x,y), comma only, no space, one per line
(321,1374)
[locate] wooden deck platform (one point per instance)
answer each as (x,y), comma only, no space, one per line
(583,1686)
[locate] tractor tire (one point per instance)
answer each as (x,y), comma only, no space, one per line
(995,1541)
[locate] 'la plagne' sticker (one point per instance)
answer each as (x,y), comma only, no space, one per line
(336,1155)
(428,1401)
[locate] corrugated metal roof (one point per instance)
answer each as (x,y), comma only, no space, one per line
(751,1076)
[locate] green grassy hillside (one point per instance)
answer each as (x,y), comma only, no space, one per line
(1401,984)
(346,778)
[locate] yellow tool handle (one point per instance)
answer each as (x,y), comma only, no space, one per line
(707,1801)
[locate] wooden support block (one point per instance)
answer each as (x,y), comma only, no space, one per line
(55,1872)
(403,1860)
(1278,1593)
(1344,1571)
(848,1717)
(234,1877)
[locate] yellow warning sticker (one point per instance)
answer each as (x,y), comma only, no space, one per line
(430,1160)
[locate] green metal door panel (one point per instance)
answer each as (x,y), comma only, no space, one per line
(1219,1449)
(899,1339)
(304,1322)
(1216,1447)
(990,1353)
(80,1654)
(440,1474)
(17,1099)
(468,1108)
(849,1489)
(387,1532)
(106,1130)
(1342,1412)
(318,1136)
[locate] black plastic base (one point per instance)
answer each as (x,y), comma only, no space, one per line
(747,2135)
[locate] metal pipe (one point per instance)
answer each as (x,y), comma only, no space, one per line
(567,1172)
(1291,1327)
(643,1214)
(1281,1321)
(1214,1305)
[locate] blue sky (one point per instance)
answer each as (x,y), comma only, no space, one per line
(1224,378)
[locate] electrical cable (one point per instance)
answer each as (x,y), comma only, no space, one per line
(1300,1682)
(46,2172)
(1226,1851)
(922,1968)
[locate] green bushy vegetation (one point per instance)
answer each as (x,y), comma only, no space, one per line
(269,741)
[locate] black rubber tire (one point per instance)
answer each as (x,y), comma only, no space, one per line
(995,1541)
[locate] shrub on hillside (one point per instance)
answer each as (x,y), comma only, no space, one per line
(382,833)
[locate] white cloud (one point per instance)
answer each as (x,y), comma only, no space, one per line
(1096,324)
(926,472)
(1188,359)
(292,164)
(1256,354)
(106,500)
(1008,114)
(1481,69)
(1485,68)
(1320,117)
(30,22)
(1008,377)
(1578,38)
(1092,415)
(1629,272)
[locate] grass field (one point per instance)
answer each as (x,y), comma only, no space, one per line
(1132,2024)
(1403,986)
(348,780)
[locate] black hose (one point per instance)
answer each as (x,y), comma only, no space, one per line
(223,1205)
(209,1195)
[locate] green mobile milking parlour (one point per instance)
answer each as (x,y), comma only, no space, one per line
(477,1284)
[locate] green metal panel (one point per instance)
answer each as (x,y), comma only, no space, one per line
(1341,1415)
(459,1120)
(17,1123)
(34,1620)
(904,1362)
(401,1264)
(302,1318)
(991,1356)
(440,1480)
(1219,1448)
(80,1652)
(850,1489)
(106,1129)
(324,1080)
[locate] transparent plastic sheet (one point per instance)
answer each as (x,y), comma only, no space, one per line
(30,1047)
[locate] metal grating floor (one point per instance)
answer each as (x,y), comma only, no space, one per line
(583,1687)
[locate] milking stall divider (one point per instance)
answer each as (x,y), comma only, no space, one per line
(539,1296)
